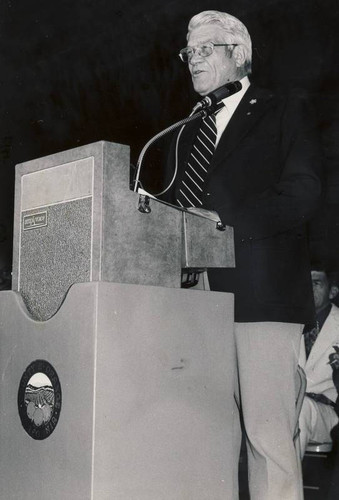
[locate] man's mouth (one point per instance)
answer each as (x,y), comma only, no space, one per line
(197,72)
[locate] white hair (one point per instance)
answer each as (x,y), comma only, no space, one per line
(235,31)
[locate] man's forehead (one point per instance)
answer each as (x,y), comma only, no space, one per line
(206,33)
(319,275)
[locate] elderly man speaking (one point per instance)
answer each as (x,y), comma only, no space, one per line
(255,163)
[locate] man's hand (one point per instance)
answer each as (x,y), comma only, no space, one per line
(202,212)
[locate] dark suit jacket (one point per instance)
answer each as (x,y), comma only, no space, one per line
(263,181)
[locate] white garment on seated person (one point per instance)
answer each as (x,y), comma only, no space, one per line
(316,421)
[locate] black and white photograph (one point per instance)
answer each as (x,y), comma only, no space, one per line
(169,250)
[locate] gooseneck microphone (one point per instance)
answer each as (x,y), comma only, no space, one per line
(211,100)
(206,106)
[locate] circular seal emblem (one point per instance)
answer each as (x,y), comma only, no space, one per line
(39,399)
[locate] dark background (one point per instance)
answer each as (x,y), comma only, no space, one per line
(75,72)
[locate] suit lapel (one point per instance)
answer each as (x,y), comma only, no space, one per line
(252,106)
(326,337)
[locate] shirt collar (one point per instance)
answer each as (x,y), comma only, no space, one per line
(233,100)
(322,315)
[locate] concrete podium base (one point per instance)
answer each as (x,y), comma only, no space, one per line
(146,389)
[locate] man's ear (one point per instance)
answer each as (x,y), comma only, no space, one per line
(239,55)
(333,291)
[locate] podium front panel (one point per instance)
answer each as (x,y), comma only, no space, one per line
(76,220)
(145,379)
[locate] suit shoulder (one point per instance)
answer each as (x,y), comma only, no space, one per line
(262,93)
(281,101)
(282,96)
(335,311)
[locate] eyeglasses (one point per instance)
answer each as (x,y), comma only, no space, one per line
(204,50)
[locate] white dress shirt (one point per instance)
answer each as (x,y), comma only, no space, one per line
(231,103)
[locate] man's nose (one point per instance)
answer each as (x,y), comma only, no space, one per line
(195,56)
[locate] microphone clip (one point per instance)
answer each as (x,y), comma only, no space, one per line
(205,104)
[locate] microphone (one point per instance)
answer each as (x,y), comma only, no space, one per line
(210,101)
(206,106)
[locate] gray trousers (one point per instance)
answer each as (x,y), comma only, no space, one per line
(267,357)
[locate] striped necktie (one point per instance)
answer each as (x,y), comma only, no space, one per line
(192,184)
(310,336)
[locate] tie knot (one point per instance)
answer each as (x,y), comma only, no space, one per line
(212,116)
(219,107)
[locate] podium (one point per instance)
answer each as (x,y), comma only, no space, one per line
(116,383)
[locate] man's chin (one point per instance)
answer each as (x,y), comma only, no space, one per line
(200,89)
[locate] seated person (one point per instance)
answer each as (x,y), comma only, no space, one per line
(334,362)
(333,486)
(318,415)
